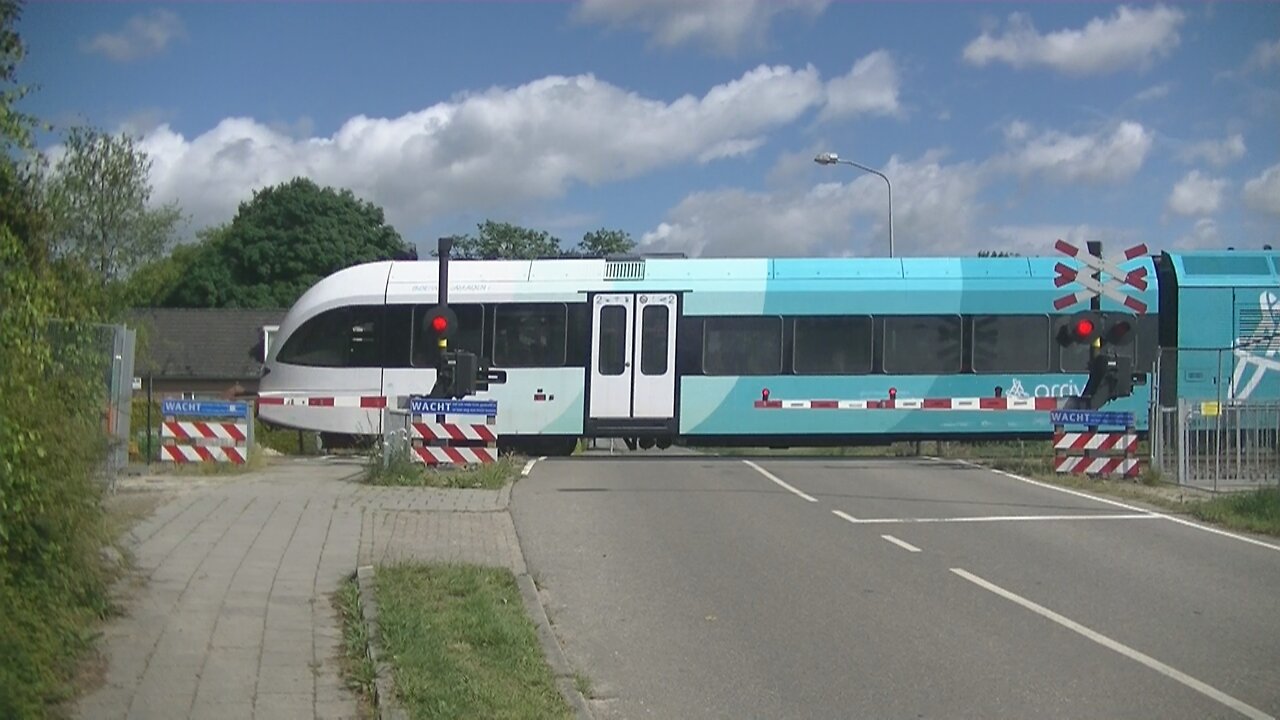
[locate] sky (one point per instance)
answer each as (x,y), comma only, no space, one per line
(693,124)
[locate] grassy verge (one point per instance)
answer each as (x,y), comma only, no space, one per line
(356,665)
(1257,511)
(461,646)
(402,472)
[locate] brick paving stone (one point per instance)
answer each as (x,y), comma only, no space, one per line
(233,617)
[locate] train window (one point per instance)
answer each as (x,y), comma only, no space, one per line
(467,336)
(529,335)
(654,340)
(1010,343)
(832,345)
(341,337)
(613,340)
(397,336)
(922,344)
(742,346)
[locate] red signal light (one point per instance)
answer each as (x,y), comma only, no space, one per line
(1084,328)
(439,323)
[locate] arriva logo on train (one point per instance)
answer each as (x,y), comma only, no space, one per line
(1068,389)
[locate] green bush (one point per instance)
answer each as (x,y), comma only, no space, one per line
(53,584)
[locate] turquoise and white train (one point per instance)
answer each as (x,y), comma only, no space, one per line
(769,351)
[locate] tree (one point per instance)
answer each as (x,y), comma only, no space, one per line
(100,192)
(502,240)
(997,253)
(602,243)
(279,244)
(507,241)
(52,576)
(161,282)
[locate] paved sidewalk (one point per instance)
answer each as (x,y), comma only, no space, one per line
(234,618)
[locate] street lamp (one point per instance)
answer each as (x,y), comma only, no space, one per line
(829,158)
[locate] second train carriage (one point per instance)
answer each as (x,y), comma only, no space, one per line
(706,351)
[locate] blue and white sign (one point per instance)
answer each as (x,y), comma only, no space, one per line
(436,406)
(1090,417)
(204,408)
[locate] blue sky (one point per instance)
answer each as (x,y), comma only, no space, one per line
(692,124)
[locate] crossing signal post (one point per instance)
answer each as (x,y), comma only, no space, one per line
(459,373)
(1111,375)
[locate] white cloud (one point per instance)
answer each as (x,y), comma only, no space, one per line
(1215,152)
(1155,92)
(498,147)
(1263,192)
(1205,234)
(1106,156)
(725,24)
(1132,37)
(142,36)
(1197,194)
(1265,55)
(870,87)
(931,200)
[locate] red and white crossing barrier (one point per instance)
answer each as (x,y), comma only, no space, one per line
(1123,466)
(187,430)
(226,439)
(453,431)
(1094,452)
(358,401)
(1095,441)
(987,403)
(202,453)
(432,455)
(436,441)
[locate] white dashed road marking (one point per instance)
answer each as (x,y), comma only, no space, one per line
(780,483)
(901,543)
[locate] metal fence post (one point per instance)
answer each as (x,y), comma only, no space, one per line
(1184,413)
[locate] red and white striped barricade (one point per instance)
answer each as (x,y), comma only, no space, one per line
(1093,451)
(452,432)
(205,431)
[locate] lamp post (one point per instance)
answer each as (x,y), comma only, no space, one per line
(829,158)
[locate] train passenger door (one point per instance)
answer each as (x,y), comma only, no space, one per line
(633,352)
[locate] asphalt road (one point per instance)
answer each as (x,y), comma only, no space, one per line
(701,587)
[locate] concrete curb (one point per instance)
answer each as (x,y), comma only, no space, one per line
(560,668)
(383,689)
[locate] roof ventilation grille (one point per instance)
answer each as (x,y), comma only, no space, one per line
(624,270)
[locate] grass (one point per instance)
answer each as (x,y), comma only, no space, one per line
(356,665)
(461,646)
(1256,511)
(403,472)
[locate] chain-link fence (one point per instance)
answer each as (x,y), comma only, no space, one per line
(1217,446)
(106,352)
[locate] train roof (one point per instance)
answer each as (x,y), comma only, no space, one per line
(1226,268)
(665,268)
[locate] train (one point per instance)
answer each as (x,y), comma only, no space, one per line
(771,352)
